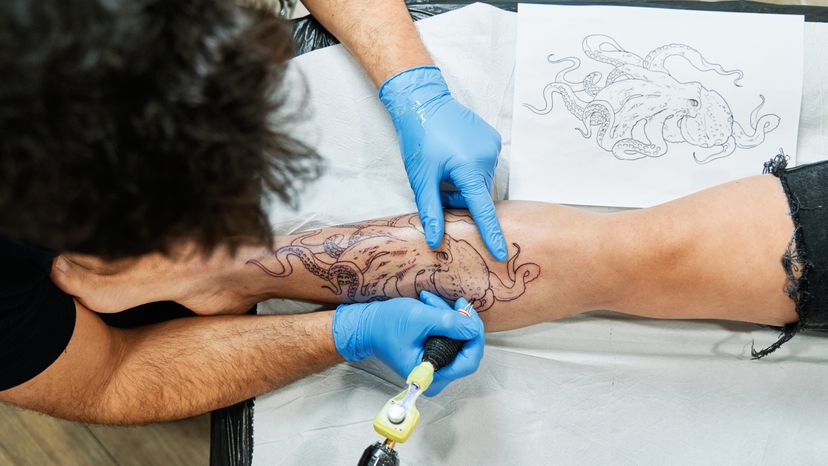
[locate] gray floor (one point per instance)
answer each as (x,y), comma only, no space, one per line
(29,438)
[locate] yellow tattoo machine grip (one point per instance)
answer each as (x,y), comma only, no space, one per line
(399,416)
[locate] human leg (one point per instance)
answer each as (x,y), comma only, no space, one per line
(715,254)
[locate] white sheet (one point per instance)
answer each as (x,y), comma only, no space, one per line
(754,71)
(352,130)
(594,389)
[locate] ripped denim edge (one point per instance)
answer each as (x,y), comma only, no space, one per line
(793,261)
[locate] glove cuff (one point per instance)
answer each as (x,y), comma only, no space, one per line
(349,332)
(411,89)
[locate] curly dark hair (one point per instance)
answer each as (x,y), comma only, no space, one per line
(130,125)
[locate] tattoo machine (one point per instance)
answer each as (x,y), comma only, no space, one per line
(399,416)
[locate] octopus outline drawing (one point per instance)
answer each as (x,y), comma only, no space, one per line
(381,259)
(641,108)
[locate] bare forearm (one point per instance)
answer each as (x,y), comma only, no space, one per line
(175,369)
(378,33)
(190,366)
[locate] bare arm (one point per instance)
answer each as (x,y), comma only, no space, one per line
(175,369)
(441,140)
(379,33)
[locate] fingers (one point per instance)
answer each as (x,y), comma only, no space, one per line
(467,361)
(465,364)
(464,308)
(479,202)
(453,199)
(446,322)
(400,327)
(465,305)
(427,197)
(433,300)
(441,320)
(437,385)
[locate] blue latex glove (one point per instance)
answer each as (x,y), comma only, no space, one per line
(441,140)
(395,332)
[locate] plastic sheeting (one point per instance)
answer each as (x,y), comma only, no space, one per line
(595,389)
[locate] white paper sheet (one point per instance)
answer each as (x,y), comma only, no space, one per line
(646,96)
(595,389)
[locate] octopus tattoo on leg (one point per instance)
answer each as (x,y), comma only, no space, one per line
(640,93)
(382,259)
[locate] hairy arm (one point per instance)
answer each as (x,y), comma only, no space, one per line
(379,33)
(175,369)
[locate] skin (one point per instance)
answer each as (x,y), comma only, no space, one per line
(175,369)
(207,363)
(670,261)
(641,262)
(360,26)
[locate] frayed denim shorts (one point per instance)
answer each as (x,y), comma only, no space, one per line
(806,259)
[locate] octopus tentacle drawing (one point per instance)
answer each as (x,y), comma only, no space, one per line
(380,260)
(588,84)
(641,108)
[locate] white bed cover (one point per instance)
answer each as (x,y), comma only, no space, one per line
(595,389)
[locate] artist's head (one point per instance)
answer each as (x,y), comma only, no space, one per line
(129,125)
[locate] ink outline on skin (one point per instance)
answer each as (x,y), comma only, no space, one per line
(641,93)
(382,259)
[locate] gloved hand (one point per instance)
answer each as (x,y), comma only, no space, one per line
(395,332)
(441,140)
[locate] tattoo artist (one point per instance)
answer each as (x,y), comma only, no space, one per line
(132,133)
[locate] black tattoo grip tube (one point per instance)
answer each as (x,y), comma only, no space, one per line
(441,351)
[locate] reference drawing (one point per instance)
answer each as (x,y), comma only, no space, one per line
(641,107)
(386,258)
